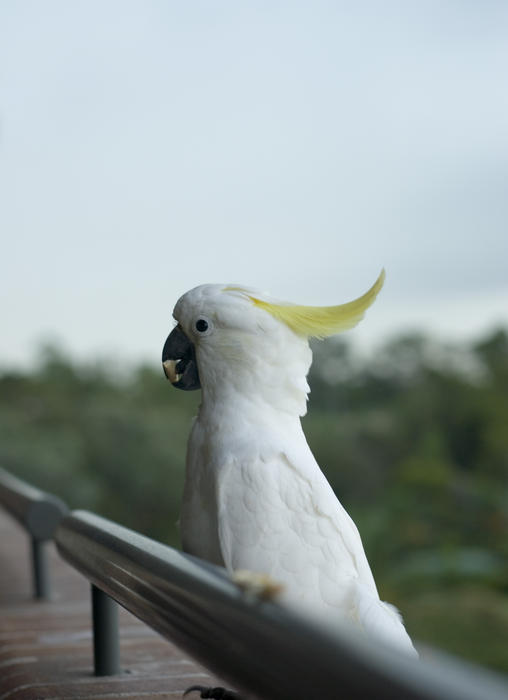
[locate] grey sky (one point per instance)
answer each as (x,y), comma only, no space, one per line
(298,147)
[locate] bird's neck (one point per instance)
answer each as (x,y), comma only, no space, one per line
(256,374)
(231,408)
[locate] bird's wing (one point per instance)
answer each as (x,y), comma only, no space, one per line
(282,520)
(274,520)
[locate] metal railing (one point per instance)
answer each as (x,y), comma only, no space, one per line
(39,514)
(257,645)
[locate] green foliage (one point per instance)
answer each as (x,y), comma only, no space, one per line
(413,441)
(114,446)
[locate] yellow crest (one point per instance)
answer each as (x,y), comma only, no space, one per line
(322,321)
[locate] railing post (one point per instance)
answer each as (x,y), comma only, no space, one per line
(105,634)
(40,569)
(39,513)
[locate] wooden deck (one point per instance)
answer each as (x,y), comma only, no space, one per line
(46,647)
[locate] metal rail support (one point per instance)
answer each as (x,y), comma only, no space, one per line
(38,513)
(106,650)
(40,570)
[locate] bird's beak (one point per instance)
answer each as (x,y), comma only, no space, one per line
(179,361)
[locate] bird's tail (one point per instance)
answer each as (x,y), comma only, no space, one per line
(382,621)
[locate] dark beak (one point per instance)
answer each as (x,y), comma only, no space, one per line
(179,361)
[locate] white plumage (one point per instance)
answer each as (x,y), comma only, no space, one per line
(254,496)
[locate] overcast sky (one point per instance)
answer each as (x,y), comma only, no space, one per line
(298,147)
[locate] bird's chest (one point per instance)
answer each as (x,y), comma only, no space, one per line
(207,457)
(221,450)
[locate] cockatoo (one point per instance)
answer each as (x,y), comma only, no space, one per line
(255,498)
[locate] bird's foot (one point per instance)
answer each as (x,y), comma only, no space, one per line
(214,693)
(257,585)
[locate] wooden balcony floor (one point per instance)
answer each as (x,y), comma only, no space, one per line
(46,647)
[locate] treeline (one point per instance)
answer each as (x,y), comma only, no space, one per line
(414,441)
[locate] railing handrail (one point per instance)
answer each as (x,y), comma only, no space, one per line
(257,645)
(37,511)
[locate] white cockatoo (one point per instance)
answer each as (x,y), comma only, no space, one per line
(255,498)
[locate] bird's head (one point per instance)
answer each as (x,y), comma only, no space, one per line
(232,338)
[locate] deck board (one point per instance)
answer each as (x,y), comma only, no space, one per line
(46,647)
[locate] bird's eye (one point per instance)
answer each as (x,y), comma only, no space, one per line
(203,326)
